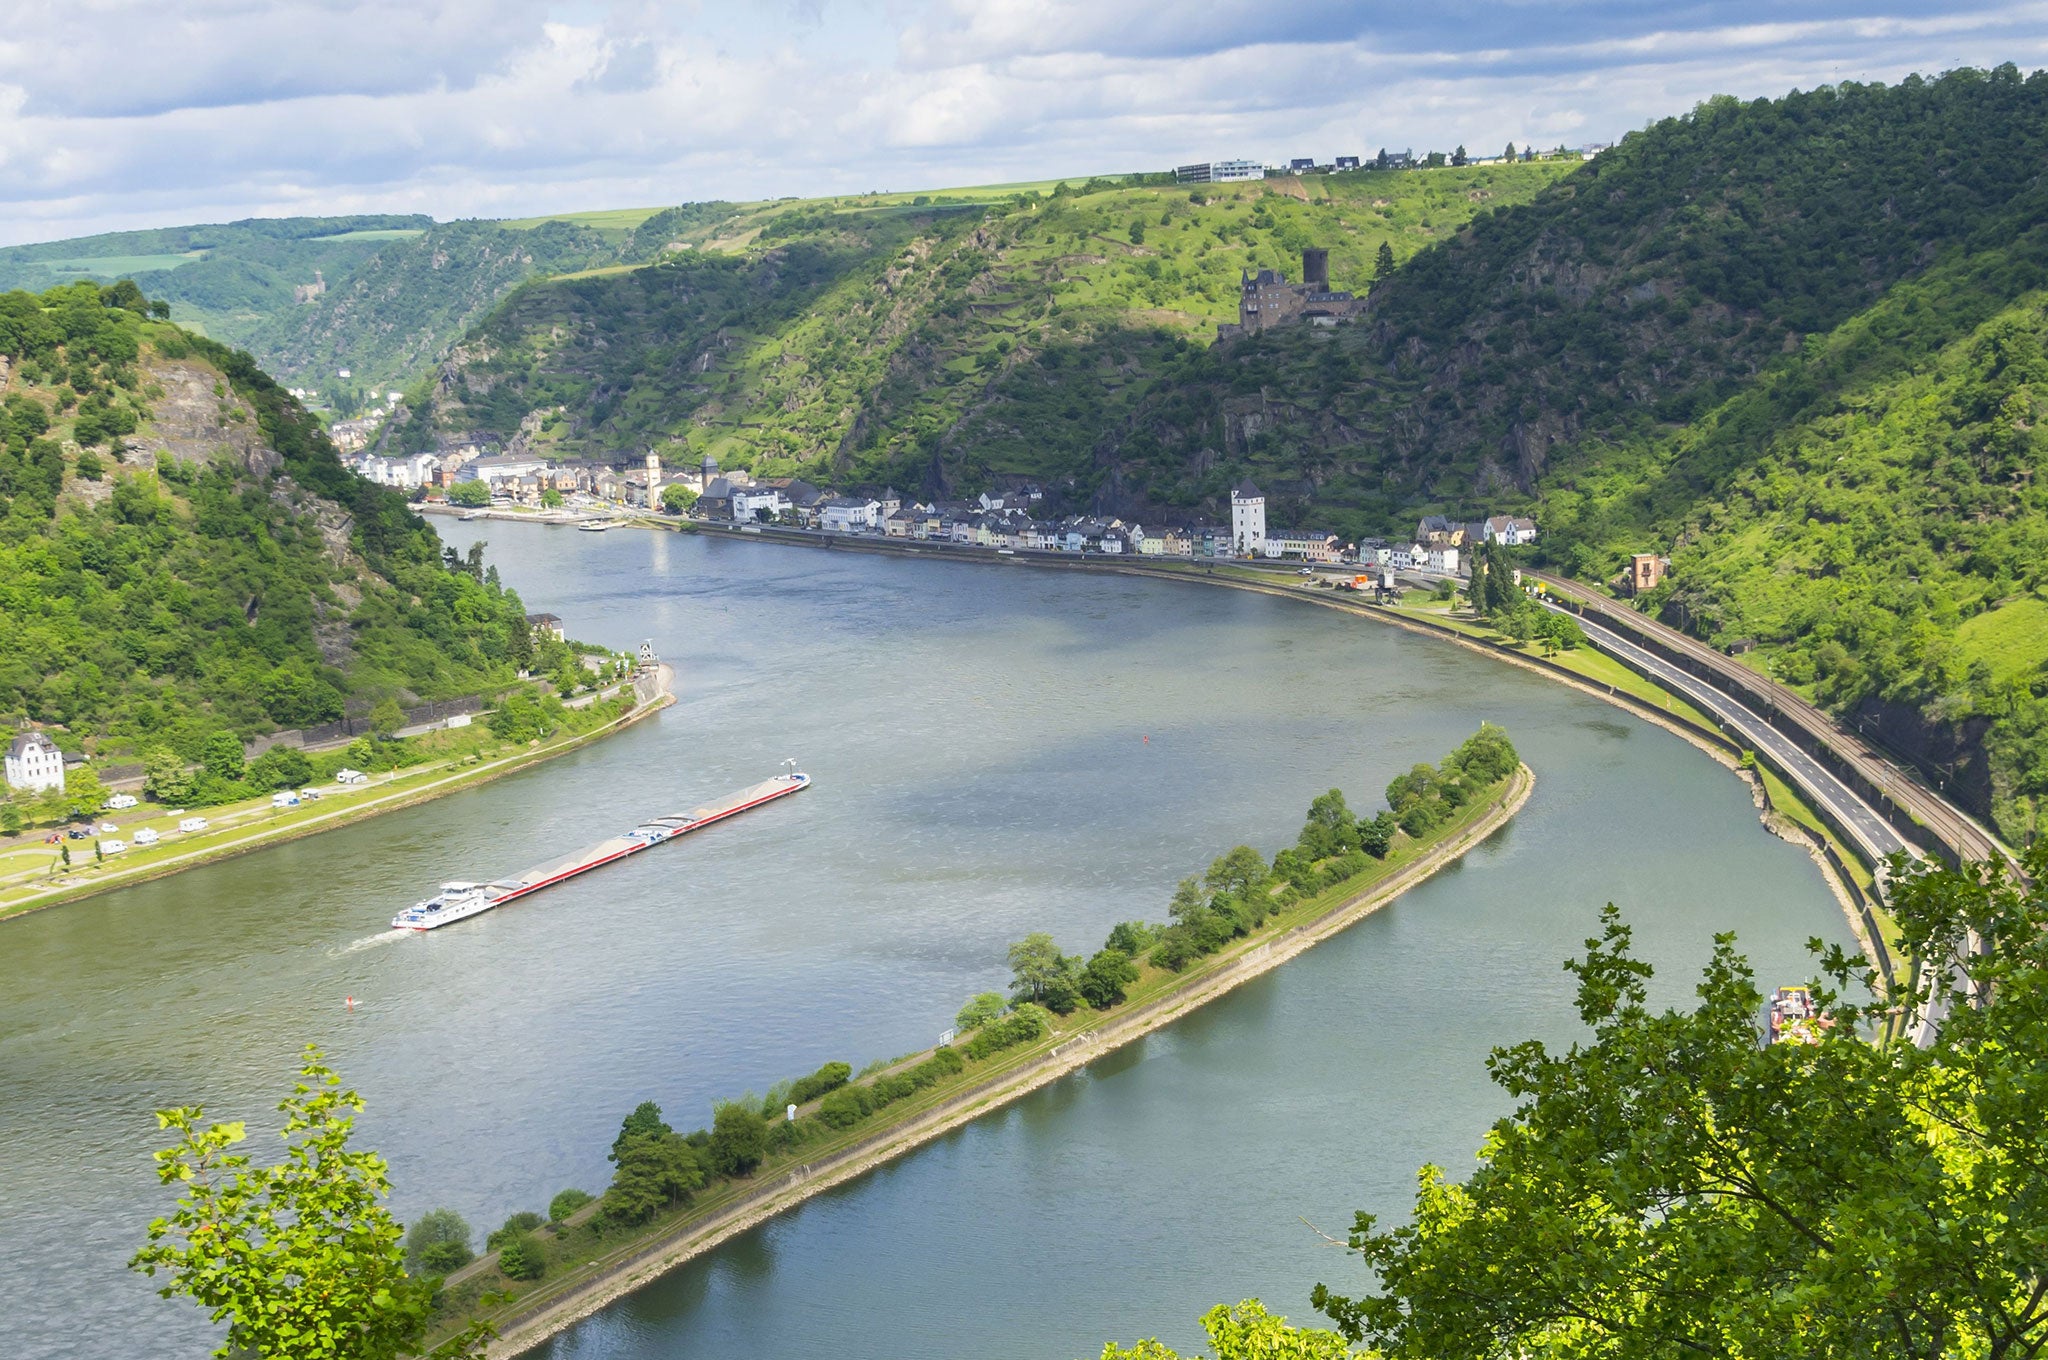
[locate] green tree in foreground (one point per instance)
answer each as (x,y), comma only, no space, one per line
(1247,1332)
(1675,1187)
(299,1260)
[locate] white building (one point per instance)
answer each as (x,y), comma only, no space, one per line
(844,514)
(1219,172)
(1444,558)
(502,469)
(1510,531)
(1247,519)
(1305,545)
(749,501)
(35,763)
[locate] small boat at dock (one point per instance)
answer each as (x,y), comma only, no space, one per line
(458,901)
(595,526)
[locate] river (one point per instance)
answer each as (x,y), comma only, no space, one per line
(996,750)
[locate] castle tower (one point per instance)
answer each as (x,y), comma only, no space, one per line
(1315,269)
(1247,519)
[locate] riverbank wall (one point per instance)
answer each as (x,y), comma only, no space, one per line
(547,1313)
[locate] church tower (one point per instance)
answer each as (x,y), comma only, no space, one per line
(1247,519)
(653,477)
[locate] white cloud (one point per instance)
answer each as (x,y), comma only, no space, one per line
(116,114)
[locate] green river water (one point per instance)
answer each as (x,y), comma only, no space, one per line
(996,750)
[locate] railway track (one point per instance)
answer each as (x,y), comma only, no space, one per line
(1908,802)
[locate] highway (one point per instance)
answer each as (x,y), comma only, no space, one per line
(1964,837)
(1875,836)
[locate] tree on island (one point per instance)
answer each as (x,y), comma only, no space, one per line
(1040,973)
(299,1259)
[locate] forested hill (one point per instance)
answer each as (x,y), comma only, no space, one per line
(1782,338)
(936,341)
(182,553)
(382,297)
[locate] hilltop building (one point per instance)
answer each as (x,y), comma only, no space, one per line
(1219,172)
(1247,519)
(1266,299)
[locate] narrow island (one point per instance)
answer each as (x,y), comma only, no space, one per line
(676,1195)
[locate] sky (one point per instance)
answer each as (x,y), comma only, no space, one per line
(116,115)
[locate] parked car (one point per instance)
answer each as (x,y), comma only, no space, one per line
(75,833)
(108,828)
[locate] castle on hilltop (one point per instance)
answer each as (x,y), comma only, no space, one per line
(1266,299)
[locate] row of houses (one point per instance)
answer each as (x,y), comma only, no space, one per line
(1510,531)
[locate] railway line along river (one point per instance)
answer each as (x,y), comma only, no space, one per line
(997,750)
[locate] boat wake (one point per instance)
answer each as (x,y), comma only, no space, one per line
(371,941)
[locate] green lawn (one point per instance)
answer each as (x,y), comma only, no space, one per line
(602,219)
(2012,639)
(114,266)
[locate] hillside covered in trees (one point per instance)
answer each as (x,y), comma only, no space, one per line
(182,553)
(384,296)
(1795,342)
(937,341)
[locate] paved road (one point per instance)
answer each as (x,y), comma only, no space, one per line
(1963,834)
(1875,836)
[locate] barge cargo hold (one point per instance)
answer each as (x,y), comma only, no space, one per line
(459,901)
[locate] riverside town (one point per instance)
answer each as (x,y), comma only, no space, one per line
(1012,520)
(1091,682)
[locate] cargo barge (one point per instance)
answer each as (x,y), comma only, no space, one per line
(459,901)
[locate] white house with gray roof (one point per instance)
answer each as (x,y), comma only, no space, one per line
(34,763)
